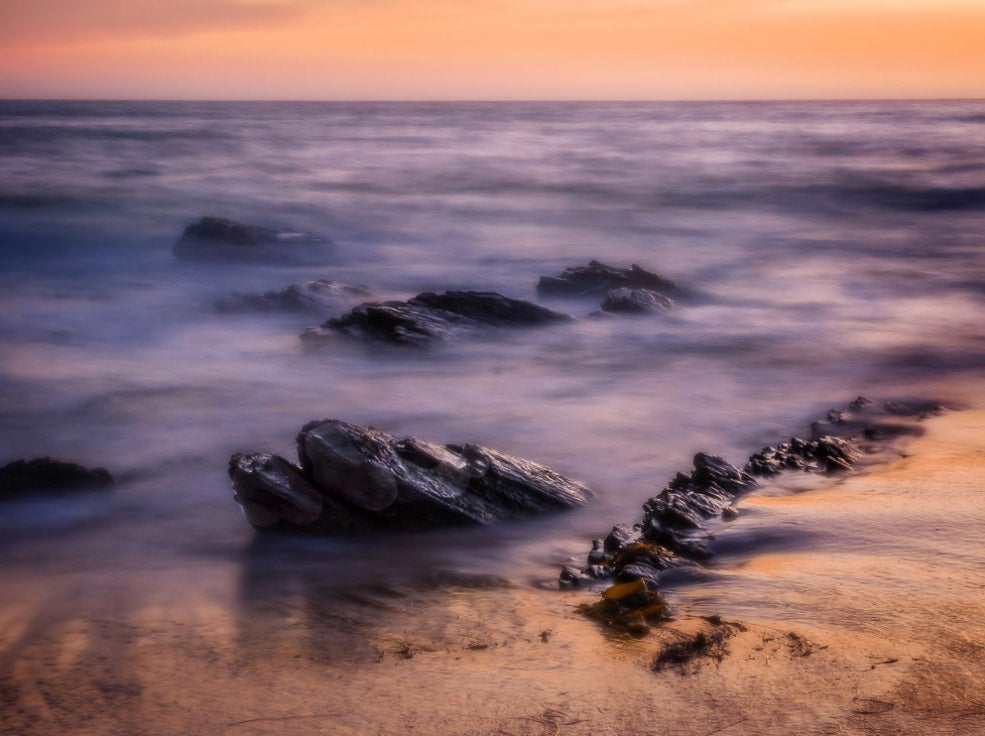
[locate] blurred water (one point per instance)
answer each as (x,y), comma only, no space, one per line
(838,249)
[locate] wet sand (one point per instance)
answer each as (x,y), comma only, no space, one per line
(885,638)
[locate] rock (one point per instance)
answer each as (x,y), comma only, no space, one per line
(619,537)
(597,278)
(631,606)
(636,301)
(691,499)
(429,317)
(309,296)
(822,455)
(366,479)
(213,238)
(668,534)
(47,474)
(272,490)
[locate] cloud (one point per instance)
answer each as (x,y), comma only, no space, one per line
(39,21)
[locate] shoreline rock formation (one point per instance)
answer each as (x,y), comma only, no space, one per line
(430,317)
(670,533)
(356,479)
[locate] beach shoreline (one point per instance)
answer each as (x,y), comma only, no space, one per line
(489,656)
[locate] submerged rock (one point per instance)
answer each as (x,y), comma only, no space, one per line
(636,301)
(597,278)
(47,474)
(366,479)
(214,238)
(309,296)
(429,317)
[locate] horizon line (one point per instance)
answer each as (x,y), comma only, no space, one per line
(482,100)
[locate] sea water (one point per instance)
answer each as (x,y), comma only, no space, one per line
(836,249)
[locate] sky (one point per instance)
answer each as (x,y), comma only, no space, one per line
(491,49)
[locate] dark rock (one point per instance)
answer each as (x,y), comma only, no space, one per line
(570,577)
(639,571)
(597,278)
(636,301)
(668,535)
(678,541)
(309,296)
(47,474)
(597,556)
(213,238)
(428,317)
(691,499)
(272,490)
(367,479)
(859,403)
(822,455)
(619,537)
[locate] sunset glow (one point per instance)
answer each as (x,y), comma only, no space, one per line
(492,49)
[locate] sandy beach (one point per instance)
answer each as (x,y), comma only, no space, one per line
(880,639)
(499,368)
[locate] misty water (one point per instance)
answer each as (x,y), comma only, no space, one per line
(836,250)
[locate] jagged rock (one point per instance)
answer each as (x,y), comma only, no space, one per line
(822,455)
(668,535)
(367,479)
(692,498)
(428,317)
(214,238)
(47,474)
(309,296)
(597,278)
(620,536)
(636,301)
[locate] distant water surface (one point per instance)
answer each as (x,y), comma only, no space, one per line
(838,249)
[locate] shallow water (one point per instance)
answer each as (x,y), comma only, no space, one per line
(837,249)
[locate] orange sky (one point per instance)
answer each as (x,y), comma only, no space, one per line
(492,49)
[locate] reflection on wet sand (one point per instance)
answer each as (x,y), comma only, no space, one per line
(836,638)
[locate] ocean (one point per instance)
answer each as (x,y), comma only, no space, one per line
(837,248)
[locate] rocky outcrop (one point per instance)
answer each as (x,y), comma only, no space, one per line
(217,239)
(672,531)
(310,296)
(47,474)
(353,479)
(636,301)
(429,317)
(597,278)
